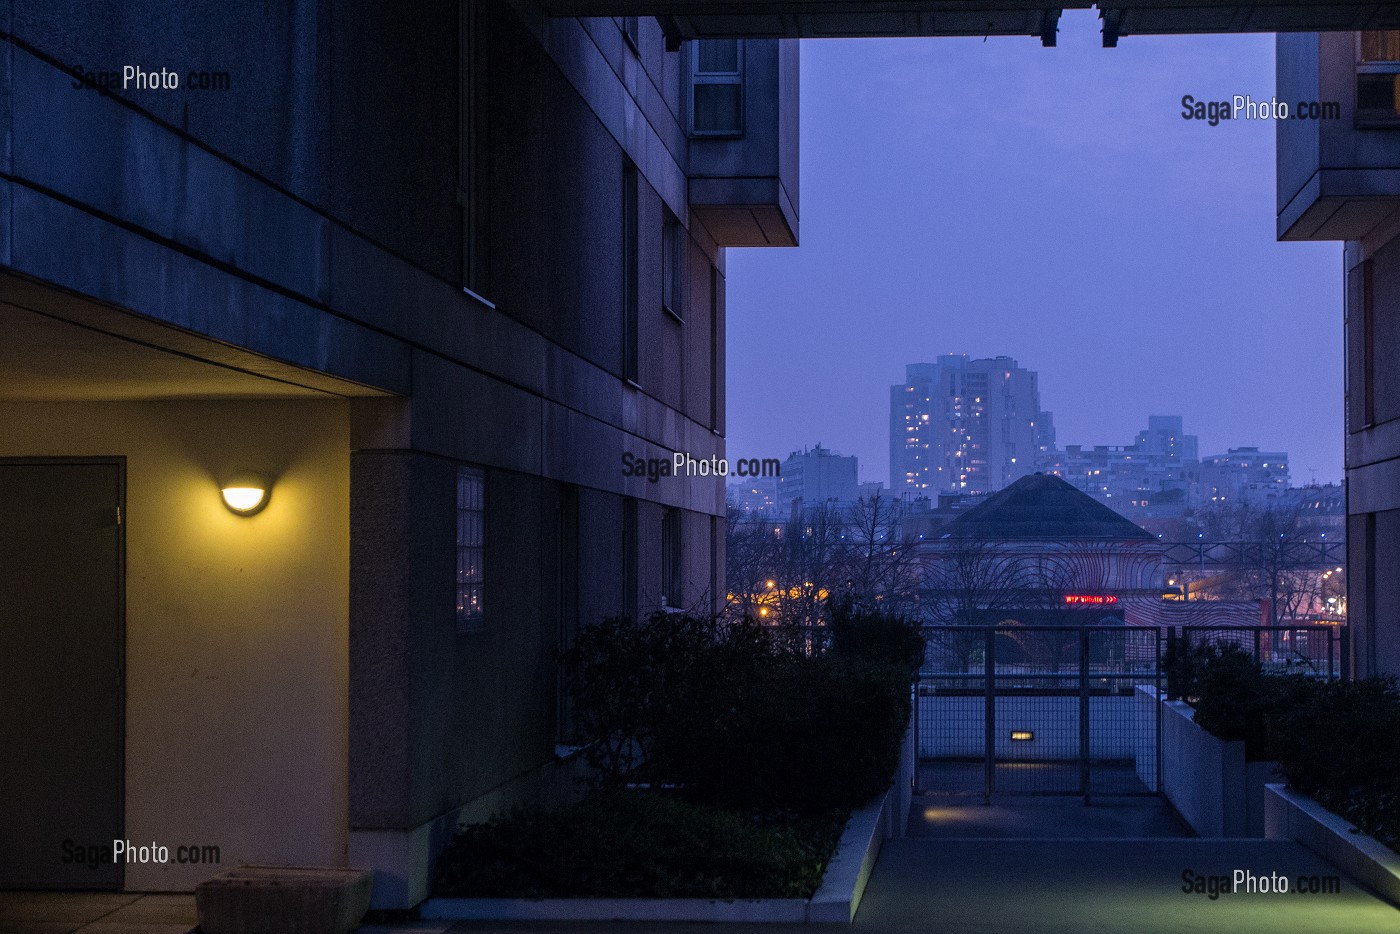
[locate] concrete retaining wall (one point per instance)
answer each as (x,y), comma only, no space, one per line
(1208,780)
(1292,816)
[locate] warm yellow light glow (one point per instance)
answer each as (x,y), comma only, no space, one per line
(771,585)
(763,611)
(245,494)
(1022,734)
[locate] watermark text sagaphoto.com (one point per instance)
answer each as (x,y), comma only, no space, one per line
(125,851)
(1244,107)
(1246,882)
(681,464)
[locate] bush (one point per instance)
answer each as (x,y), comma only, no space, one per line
(1238,701)
(1336,741)
(725,712)
(636,844)
(878,637)
(1342,747)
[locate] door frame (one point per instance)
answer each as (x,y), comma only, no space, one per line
(118,461)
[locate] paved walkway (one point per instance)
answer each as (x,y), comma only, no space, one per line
(1034,865)
(95,913)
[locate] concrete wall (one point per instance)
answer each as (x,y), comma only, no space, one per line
(236,628)
(1208,780)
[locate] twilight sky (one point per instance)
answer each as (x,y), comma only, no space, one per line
(1050,204)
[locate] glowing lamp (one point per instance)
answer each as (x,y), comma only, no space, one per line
(1021,735)
(245,494)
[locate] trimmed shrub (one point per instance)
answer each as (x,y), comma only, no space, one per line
(877,637)
(636,844)
(1238,701)
(734,718)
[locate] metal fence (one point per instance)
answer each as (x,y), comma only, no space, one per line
(1319,650)
(1070,710)
(1039,710)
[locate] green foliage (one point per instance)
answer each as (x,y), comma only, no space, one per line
(1183,664)
(1342,747)
(735,718)
(1237,701)
(1336,741)
(637,844)
(877,636)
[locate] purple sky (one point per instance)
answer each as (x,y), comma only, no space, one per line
(1050,204)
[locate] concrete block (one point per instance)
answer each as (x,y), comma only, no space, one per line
(283,900)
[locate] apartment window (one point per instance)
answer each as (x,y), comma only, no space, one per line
(473,150)
(471,548)
(671,589)
(629,558)
(630,28)
(629,271)
(717,87)
(672,266)
(1378,79)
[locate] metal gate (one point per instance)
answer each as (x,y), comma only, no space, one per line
(1039,710)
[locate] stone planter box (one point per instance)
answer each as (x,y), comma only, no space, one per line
(1208,780)
(283,900)
(836,899)
(1292,816)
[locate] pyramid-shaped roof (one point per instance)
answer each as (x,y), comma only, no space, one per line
(1041,507)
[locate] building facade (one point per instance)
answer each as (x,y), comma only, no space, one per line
(428,279)
(965,426)
(817,476)
(1338,180)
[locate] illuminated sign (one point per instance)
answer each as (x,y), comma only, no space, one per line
(1022,735)
(1090,599)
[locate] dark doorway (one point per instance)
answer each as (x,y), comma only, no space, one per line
(61,655)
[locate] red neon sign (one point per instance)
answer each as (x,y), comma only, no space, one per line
(1090,599)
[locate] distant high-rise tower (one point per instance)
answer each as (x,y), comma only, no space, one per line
(1164,436)
(965,426)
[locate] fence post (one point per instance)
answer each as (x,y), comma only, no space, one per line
(1084,713)
(1157,712)
(1344,649)
(1257,633)
(990,734)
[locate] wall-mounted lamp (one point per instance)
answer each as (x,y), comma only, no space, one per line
(245,494)
(1022,735)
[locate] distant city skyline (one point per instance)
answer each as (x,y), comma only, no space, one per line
(1064,215)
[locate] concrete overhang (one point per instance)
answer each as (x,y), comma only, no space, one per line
(1340,204)
(59,347)
(699,19)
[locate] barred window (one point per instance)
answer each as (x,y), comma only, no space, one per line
(471,539)
(671,565)
(1378,79)
(717,88)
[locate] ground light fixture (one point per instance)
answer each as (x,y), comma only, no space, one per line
(245,494)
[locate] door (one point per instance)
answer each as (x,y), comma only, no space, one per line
(61,629)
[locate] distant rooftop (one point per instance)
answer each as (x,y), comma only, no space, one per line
(1041,507)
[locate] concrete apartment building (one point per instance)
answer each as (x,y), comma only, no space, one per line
(424,277)
(965,426)
(815,476)
(1244,475)
(1340,180)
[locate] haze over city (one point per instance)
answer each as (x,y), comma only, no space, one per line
(1064,214)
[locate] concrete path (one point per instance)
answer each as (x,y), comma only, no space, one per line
(1022,865)
(95,913)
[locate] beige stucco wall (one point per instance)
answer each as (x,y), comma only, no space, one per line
(236,628)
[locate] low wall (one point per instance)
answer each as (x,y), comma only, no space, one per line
(1292,816)
(954,727)
(1208,780)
